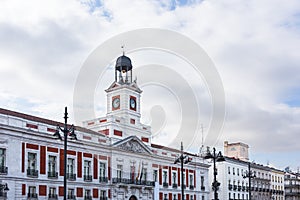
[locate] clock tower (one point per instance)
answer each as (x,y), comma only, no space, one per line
(123,107)
(123,95)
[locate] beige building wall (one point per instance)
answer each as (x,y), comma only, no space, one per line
(236,150)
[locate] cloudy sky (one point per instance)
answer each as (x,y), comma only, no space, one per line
(254,45)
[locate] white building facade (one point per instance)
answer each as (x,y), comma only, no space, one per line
(113,157)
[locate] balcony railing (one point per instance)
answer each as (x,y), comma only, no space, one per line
(174,185)
(32,196)
(87,178)
(165,184)
(52,174)
(71,196)
(234,187)
(184,186)
(3,195)
(3,170)
(32,173)
(239,188)
(88,197)
(52,196)
(230,187)
(191,187)
(71,177)
(103,198)
(130,181)
(202,188)
(103,179)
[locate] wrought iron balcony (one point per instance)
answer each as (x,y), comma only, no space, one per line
(165,184)
(202,188)
(32,173)
(239,188)
(132,181)
(234,187)
(191,187)
(52,174)
(3,195)
(71,177)
(230,187)
(71,196)
(3,170)
(88,197)
(174,185)
(32,196)
(87,178)
(103,179)
(52,196)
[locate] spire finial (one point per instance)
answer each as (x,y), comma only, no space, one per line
(123,49)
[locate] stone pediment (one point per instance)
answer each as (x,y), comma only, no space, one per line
(133,144)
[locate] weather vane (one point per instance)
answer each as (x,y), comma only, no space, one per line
(123,49)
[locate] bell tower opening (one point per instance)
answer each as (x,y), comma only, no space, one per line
(123,70)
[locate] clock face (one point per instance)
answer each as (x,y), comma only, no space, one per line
(132,103)
(116,103)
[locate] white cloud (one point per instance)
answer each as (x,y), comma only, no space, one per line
(254,45)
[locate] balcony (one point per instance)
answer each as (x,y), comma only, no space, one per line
(71,177)
(234,187)
(87,178)
(165,184)
(230,187)
(174,185)
(32,173)
(103,198)
(184,186)
(32,196)
(71,196)
(191,187)
(202,188)
(243,188)
(239,188)
(103,179)
(52,174)
(88,197)
(52,196)
(132,181)
(3,170)
(3,195)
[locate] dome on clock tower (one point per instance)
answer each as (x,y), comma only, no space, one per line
(123,63)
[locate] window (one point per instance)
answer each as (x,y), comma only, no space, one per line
(203,198)
(52,193)
(52,166)
(87,194)
(102,194)
(144,174)
(165,197)
(165,176)
(132,173)
(228,170)
(119,171)
(102,173)
(87,171)
(233,171)
(191,179)
(174,177)
(71,194)
(174,197)
(183,179)
(32,192)
(32,165)
(192,197)
(3,168)
(71,169)
(202,182)
(238,171)
(155,175)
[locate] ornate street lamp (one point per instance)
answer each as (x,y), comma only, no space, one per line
(216,158)
(182,159)
(67,132)
(249,174)
(3,190)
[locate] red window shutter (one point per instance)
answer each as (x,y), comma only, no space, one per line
(109,193)
(23,157)
(194,197)
(23,188)
(179,196)
(194,178)
(160,196)
(160,175)
(178,175)
(170,175)
(170,196)
(61,162)
(43,160)
(79,164)
(187,177)
(187,197)
(42,190)
(79,192)
(95,167)
(95,192)
(109,169)
(61,191)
